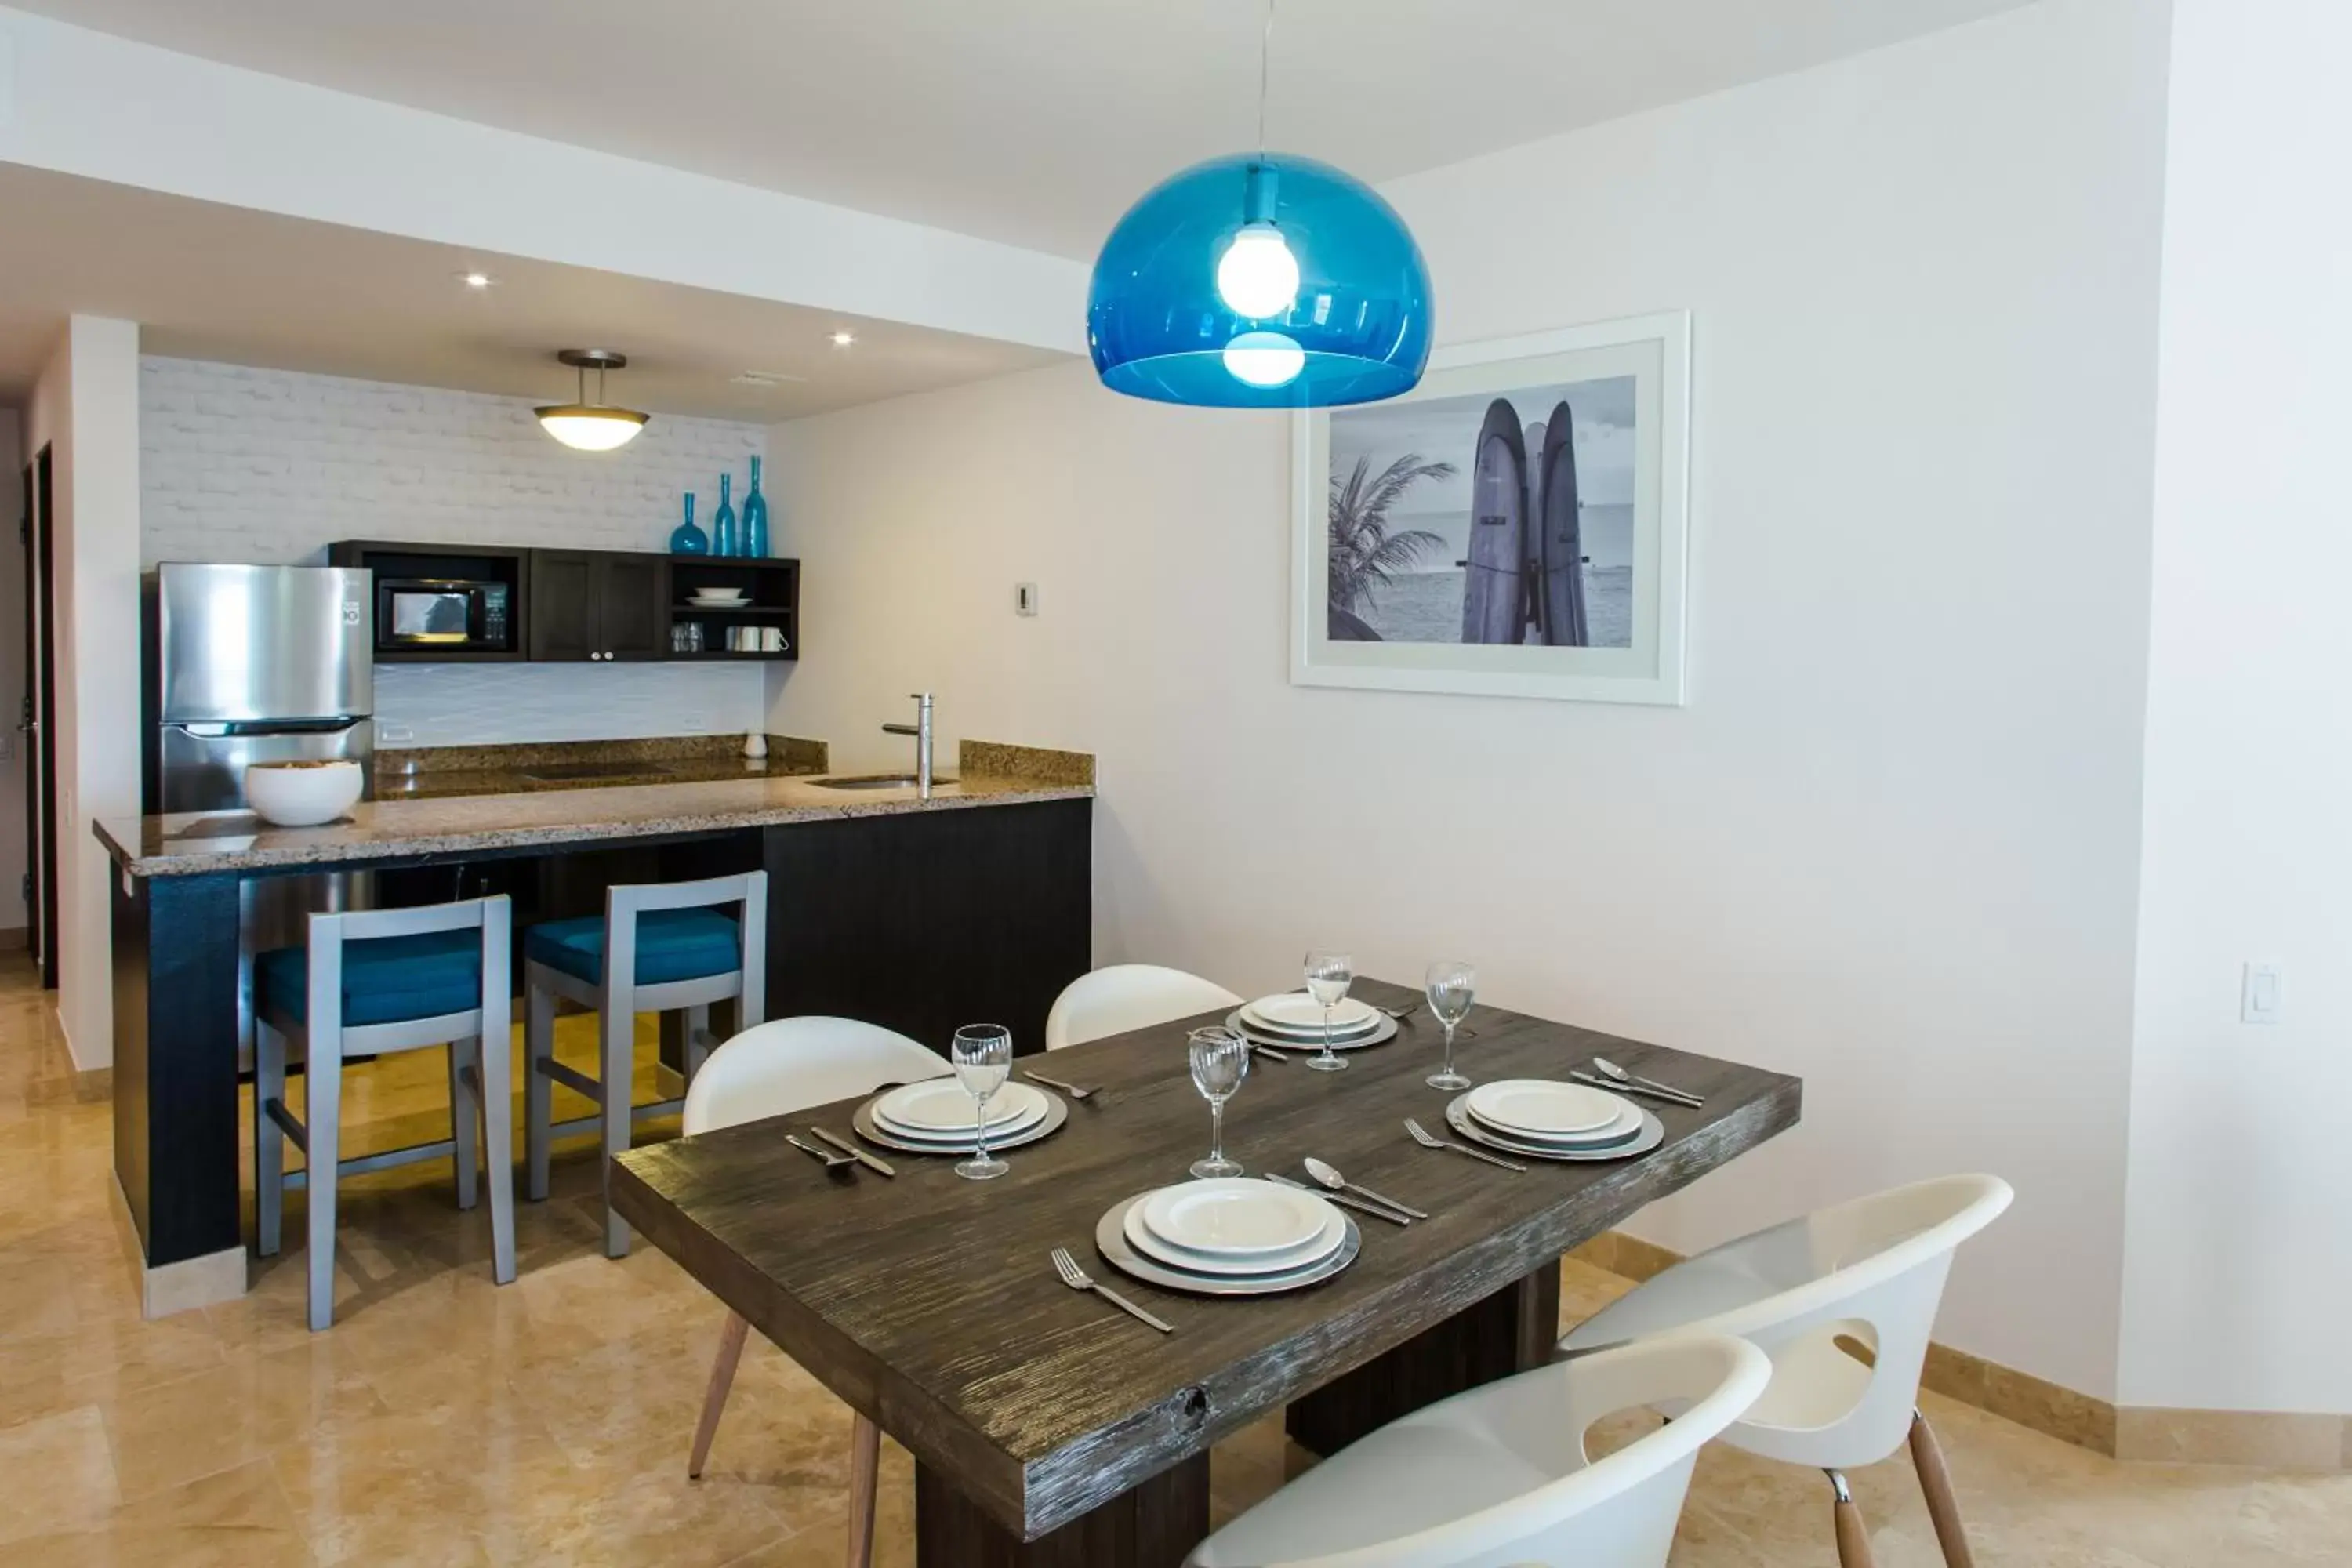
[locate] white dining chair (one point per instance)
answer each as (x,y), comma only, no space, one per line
(1499,1475)
(1843,1301)
(1124,996)
(776,1069)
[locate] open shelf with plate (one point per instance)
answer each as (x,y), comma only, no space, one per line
(734,608)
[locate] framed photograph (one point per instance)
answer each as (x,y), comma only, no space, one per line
(1518,525)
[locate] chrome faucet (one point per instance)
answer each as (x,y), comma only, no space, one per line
(921,730)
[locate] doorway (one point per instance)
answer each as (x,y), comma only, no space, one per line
(34,721)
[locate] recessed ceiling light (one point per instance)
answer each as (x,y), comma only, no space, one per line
(843,340)
(768,378)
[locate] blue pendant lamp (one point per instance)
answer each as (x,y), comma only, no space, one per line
(1261,281)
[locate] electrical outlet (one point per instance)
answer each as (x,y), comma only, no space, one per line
(2262,996)
(1024,598)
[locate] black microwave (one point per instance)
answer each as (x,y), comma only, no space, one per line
(442,615)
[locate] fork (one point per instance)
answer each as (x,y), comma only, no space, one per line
(1072,1090)
(1401,1014)
(1420,1135)
(832,1162)
(1075,1278)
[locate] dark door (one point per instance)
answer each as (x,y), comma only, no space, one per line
(563,605)
(40,760)
(632,606)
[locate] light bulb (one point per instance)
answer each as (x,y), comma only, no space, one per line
(1257,275)
(1265,359)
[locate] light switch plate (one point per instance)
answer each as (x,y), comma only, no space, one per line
(2262,998)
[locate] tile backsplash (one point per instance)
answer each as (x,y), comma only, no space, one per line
(242,464)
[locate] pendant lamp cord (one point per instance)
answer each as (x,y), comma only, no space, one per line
(1265,54)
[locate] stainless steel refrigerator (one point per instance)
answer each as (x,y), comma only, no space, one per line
(251,664)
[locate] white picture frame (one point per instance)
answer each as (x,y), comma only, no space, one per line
(1650,664)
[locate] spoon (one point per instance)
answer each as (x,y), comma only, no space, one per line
(1329,1178)
(1610,1069)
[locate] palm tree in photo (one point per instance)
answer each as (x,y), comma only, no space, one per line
(1364,555)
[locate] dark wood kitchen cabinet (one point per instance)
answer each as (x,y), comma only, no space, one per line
(598,605)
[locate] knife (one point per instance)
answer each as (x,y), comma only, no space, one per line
(1342,1200)
(854,1152)
(1671,1097)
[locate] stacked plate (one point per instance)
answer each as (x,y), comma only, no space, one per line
(1296,1019)
(718,598)
(1554,1121)
(1230,1236)
(935,1116)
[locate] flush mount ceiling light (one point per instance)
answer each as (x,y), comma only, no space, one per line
(590,426)
(1260,280)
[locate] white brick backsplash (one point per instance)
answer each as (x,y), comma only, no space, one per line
(239,464)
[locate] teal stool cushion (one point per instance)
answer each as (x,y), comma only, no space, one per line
(389,980)
(672,944)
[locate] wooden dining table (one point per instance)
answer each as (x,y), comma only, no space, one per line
(1047,1428)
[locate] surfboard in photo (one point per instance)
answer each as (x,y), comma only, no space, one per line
(1560,535)
(1494,590)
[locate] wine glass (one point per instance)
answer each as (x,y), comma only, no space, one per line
(1220,1062)
(982,1055)
(1328,975)
(1451,984)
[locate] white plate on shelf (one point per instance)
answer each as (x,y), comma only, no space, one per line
(1235,1217)
(1324,1242)
(1534,1108)
(1110,1240)
(940,1107)
(1295,1010)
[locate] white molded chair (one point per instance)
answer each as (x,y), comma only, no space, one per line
(776,1069)
(1126,996)
(658,948)
(1498,1475)
(1869,1272)
(370,982)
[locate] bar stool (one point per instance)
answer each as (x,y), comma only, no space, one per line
(370,982)
(656,949)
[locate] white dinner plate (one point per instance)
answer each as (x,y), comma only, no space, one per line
(1235,1217)
(862,1122)
(1532,1108)
(1160,1250)
(1110,1240)
(1312,1031)
(1291,1011)
(962,1137)
(1652,1134)
(942,1106)
(1384,1029)
(1618,1131)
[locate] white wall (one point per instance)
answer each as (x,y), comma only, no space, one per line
(1890,845)
(86,403)
(239,464)
(2239,1280)
(14,456)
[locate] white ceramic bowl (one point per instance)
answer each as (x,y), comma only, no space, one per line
(301,794)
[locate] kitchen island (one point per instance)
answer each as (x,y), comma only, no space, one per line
(914,914)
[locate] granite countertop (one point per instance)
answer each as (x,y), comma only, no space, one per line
(194,843)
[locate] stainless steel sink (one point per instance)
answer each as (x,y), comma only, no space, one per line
(875,780)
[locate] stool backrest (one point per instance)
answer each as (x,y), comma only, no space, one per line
(1124,996)
(324,1008)
(791,1064)
(748,891)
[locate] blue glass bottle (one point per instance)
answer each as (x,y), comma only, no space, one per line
(755,515)
(685,539)
(723,540)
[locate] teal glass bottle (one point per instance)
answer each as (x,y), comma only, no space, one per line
(723,538)
(755,515)
(685,539)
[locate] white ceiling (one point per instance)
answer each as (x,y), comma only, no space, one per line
(1034,121)
(207,281)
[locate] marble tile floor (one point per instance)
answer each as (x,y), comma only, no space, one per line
(445,1421)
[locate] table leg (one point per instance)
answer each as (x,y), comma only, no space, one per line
(1511,1330)
(1153,1526)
